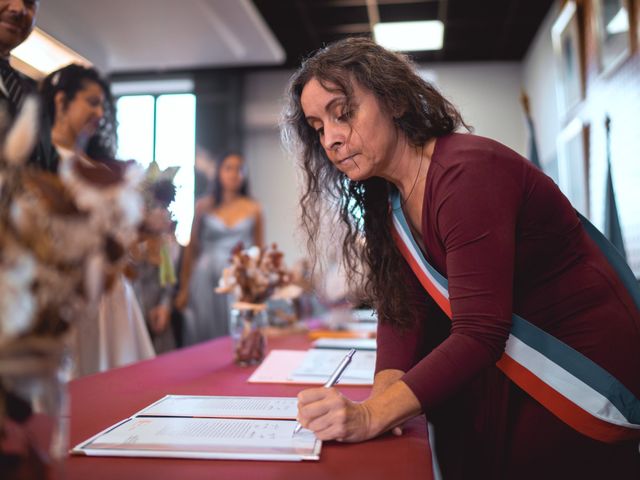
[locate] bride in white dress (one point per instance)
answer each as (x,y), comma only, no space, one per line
(79,104)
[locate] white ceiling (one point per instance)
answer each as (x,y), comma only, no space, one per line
(143,35)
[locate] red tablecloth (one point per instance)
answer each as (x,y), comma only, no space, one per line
(98,401)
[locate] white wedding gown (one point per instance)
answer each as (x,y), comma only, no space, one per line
(116,334)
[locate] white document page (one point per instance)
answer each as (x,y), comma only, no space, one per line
(223,407)
(277,366)
(346,343)
(291,366)
(204,438)
(364,315)
(361,327)
(321,363)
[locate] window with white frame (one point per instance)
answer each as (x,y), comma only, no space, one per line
(161,127)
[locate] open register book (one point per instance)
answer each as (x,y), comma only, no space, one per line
(235,428)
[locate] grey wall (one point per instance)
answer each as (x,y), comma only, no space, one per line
(272,172)
(538,76)
(218,115)
(488,96)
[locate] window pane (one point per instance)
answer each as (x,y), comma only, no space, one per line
(175,145)
(135,128)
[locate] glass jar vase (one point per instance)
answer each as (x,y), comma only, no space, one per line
(34,410)
(247,322)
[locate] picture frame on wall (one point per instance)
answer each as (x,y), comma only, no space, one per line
(613,32)
(568,52)
(573,164)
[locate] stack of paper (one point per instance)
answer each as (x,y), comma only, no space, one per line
(364,315)
(314,367)
(248,428)
(343,323)
(346,343)
(318,365)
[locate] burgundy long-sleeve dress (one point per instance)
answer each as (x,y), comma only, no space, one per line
(508,241)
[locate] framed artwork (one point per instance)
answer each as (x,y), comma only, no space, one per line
(567,46)
(613,33)
(573,162)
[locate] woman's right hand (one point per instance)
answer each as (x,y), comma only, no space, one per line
(332,416)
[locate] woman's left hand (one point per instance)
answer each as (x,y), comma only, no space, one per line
(332,416)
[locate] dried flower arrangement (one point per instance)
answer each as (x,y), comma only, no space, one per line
(257,275)
(63,239)
(154,245)
(254,276)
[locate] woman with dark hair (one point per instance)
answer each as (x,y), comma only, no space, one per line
(460,232)
(82,111)
(78,101)
(222,220)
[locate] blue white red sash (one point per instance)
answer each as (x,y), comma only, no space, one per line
(572,387)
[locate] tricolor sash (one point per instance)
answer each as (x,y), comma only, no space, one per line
(572,387)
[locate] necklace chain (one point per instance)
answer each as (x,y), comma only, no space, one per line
(415,182)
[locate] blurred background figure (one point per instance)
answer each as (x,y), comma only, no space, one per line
(155,257)
(18,19)
(79,103)
(154,296)
(223,219)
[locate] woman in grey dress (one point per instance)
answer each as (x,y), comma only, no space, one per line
(221,221)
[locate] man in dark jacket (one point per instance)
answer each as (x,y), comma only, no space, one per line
(17,19)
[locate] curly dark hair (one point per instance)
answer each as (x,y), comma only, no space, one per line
(70,80)
(363,206)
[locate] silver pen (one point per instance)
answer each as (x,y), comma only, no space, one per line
(335,376)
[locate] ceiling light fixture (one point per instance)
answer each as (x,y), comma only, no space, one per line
(42,54)
(410,36)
